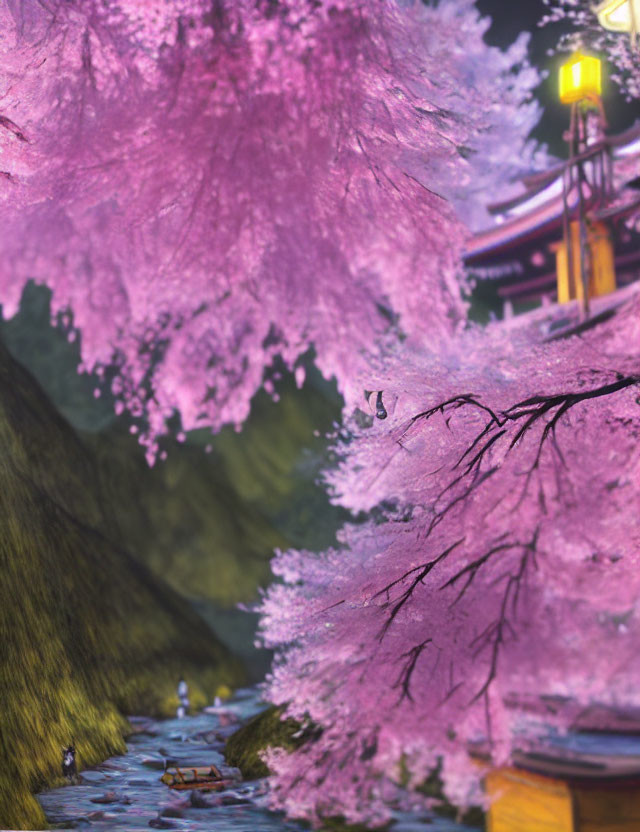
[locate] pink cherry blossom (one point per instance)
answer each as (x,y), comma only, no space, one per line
(500,562)
(205,186)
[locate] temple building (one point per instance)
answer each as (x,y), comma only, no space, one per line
(523,260)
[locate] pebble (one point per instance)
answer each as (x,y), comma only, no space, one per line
(111,797)
(111,765)
(232,800)
(158,764)
(107,797)
(91,776)
(145,727)
(159,823)
(197,800)
(208,737)
(171,812)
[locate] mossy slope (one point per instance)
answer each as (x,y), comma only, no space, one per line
(87,633)
(184,520)
(265,730)
(206,523)
(269,730)
(209,522)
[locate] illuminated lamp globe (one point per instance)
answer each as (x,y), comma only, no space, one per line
(580,79)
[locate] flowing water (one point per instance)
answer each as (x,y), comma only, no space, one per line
(126,793)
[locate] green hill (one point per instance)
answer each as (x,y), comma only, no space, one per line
(87,524)
(87,632)
(209,522)
(206,522)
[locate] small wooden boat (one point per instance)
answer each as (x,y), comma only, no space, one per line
(195,777)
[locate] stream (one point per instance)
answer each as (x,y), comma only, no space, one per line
(125,792)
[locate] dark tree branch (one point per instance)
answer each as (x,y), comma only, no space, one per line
(422,571)
(12,127)
(404,679)
(532,409)
(548,410)
(470,570)
(494,634)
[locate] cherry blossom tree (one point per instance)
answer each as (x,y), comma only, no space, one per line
(205,185)
(499,564)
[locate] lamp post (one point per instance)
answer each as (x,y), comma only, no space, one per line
(620,16)
(580,86)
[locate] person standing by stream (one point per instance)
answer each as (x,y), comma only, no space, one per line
(183,696)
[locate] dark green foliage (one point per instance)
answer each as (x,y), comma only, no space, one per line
(266,730)
(236,628)
(433,787)
(274,463)
(87,632)
(209,522)
(185,520)
(206,523)
(46,351)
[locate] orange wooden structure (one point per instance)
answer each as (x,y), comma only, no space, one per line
(524,801)
(602,272)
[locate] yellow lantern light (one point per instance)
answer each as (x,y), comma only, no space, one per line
(619,15)
(580,79)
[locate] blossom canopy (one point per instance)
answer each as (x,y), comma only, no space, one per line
(204,186)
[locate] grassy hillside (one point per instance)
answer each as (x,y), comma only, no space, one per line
(184,520)
(87,632)
(274,463)
(96,632)
(207,523)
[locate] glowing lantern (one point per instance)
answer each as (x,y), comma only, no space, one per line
(619,16)
(580,79)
